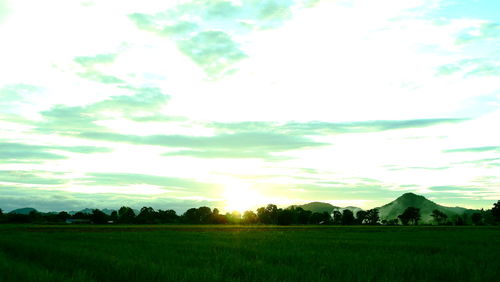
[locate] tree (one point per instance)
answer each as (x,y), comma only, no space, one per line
(360,217)
(321,218)
(2,216)
(459,220)
(249,217)
(285,217)
(80,215)
(35,216)
(268,215)
(337,217)
(114,216)
(262,215)
(410,215)
(147,215)
(167,216)
(477,218)
(347,217)
(198,215)
(98,217)
(18,218)
(439,216)
(495,211)
(218,218)
(303,216)
(126,215)
(205,214)
(372,216)
(191,216)
(273,213)
(62,216)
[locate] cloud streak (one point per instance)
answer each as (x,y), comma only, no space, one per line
(474,149)
(19,152)
(323,128)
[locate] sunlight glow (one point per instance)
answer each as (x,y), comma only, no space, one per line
(239,196)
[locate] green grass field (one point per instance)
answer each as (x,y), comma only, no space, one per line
(255,253)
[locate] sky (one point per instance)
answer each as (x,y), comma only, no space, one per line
(237,104)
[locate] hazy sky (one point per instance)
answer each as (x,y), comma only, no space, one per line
(235,104)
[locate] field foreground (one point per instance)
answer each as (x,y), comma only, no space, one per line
(248,253)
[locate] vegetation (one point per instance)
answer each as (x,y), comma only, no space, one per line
(204,244)
(270,214)
(411,215)
(248,253)
(495,211)
(395,208)
(439,216)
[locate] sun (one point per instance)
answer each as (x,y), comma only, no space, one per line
(239,196)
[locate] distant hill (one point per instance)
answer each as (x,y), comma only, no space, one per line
(351,208)
(318,207)
(397,207)
(89,211)
(25,211)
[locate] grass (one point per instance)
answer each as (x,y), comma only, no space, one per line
(253,253)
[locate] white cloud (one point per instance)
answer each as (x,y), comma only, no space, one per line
(338,61)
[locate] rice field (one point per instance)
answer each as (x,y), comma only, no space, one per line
(248,253)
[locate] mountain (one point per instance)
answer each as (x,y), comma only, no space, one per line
(89,211)
(86,211)
(107,211)
(397,207)
(23,211)
(318,207)
(351,208)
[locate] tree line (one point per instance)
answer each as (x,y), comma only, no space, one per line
(269,214)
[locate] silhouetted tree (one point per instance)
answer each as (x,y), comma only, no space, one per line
(3,217)
(347,217)
(249,217)
(303,216)
(361,217)
(167,216)
(439,216)
(477,218)
(114,216)
(218,218)
(268,215)
(495,211)
(285,217)
(488,217)
(205,215)
(62,216)
(337,217)
(465,217)
(98,217)
(126,215)
(262,215)
(35,216)
(321,218)
(372,216)
(191,216)
(410,215)
(18,218)
(80,215)
(273,213)
(459,220)
(147,215)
